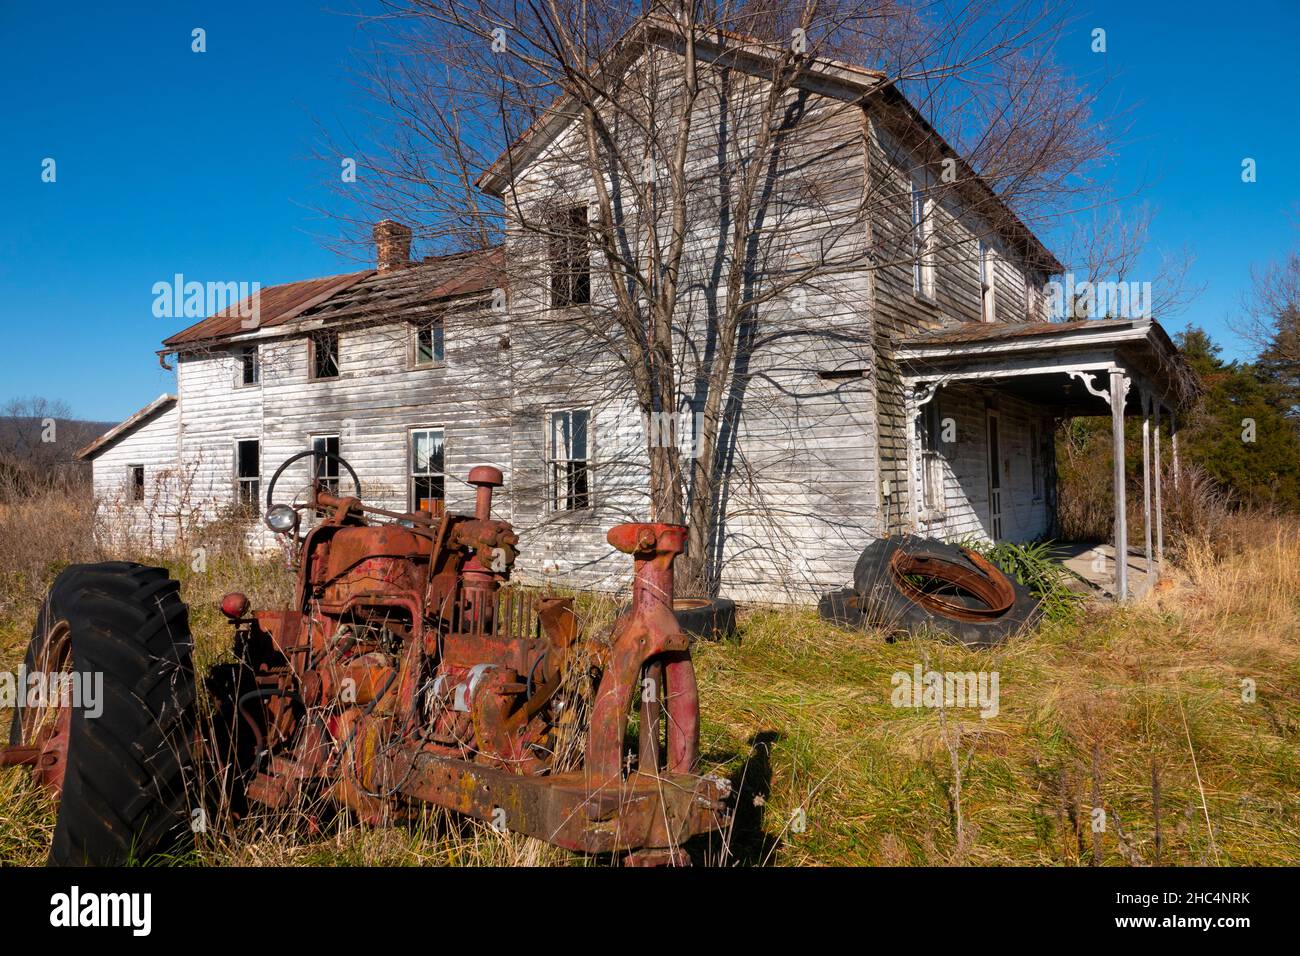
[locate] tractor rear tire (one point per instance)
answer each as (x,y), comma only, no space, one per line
(126,789)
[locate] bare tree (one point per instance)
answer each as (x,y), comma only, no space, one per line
(1111,243)
(38,438)
(689,242)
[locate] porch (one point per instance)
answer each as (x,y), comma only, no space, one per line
(1117,367)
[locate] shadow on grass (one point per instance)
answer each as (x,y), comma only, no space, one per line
(747,843)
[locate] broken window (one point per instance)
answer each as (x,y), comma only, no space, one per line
(135,482)
(250,368)
(932,489)
(323,353)
(427,464)
(248,474)
(568,458)
(327,469)
(985,266)
(922,253)
(428,345)
(570,258)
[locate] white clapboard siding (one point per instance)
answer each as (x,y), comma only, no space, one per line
(134,526)
(817,459)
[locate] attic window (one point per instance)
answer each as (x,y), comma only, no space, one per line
(427,347)
(135,482)
(323,354)
(570,258)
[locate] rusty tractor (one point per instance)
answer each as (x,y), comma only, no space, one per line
(407,669)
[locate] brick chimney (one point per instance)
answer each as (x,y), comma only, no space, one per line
(392,245)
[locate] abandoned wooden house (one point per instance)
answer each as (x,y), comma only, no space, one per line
(913,385)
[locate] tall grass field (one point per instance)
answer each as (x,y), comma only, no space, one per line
(1164,731)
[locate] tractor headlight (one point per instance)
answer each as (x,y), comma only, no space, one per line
(281,518)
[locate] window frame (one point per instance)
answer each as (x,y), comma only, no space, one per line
(934,499)
(411,474)
(438,344)
(254,503)
(337,477)
(1037,462)
(987,275)
(134,489)
(587,495)
(312,346)
(241,359)
(922,233)
(1033,301)
(562,244)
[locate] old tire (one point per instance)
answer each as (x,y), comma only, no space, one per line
(842,607)
(124,796)
(886,607)
(706,619)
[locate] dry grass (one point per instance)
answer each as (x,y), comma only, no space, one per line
(1155,684)
(827,771)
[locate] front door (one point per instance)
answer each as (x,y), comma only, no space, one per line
(995,477)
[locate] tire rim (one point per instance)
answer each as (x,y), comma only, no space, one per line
(986,583)
(48,727)
(689,604)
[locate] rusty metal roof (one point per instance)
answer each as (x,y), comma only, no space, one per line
(435,281)
(275,306)
(355,295)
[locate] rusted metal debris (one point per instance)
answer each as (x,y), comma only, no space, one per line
(931,580)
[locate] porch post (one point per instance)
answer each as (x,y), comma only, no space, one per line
(1160,508)
(1173,440)
(1118,389)
(910,410)
(1146,480)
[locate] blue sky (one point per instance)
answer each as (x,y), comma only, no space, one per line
(171,161)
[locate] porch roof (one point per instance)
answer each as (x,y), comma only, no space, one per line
(1062,365)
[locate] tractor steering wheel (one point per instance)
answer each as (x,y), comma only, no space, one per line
(270,489)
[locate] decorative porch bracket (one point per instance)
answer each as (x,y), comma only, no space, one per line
(1086,378)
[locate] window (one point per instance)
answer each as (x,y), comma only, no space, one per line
(323,353)
(427,468)
(922,260)
(1033,301)
(932,491)
(327,469)
(248,474)
(985,266)
(135,482)
(427,345)
(570,258)
(568,458)
(1036,455)
(250,368)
